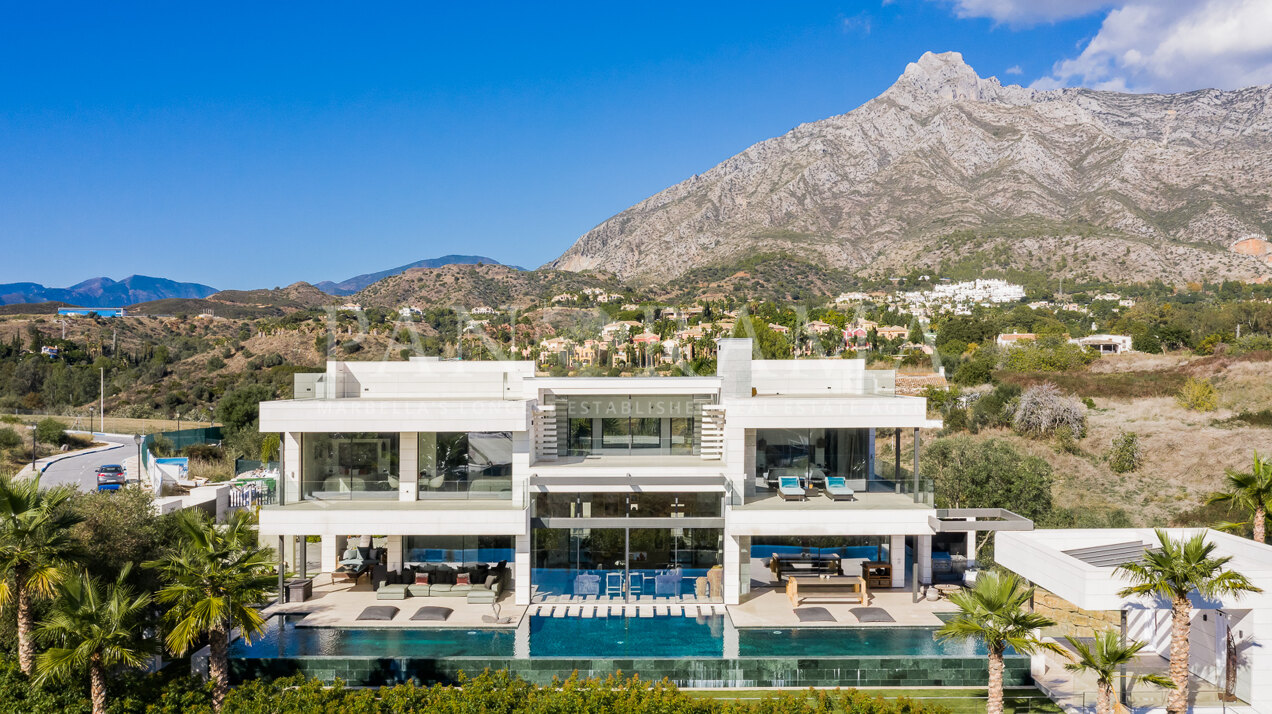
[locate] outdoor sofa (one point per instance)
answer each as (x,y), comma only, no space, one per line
(485,582)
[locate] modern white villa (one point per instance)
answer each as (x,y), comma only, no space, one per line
(617,488)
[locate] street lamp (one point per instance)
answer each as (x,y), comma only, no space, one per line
(34,472)
(137,441)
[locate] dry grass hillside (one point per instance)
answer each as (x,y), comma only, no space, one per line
(1184,452)
(474,285)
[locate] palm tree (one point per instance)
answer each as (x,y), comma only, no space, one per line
(1173,572)
(993,611)
(1103,658)
(1250,492)
(214,578)
(35,546)
(92,628)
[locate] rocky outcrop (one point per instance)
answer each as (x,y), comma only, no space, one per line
(1135,186)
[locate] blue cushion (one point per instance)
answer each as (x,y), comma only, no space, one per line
(837,482)
(788,482)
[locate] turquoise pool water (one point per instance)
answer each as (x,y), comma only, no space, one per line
(615,637)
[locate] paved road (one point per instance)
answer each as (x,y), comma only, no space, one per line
(82,470)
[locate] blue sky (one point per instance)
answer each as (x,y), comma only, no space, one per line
(257,144)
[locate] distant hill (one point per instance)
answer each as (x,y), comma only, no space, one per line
(104,292)
(358,282)
(948,168)
(469,286)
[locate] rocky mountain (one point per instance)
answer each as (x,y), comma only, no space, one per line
(469,286)
(104,292)
(946,167)
(358,282)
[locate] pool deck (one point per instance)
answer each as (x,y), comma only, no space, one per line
(339,604)
(769,607)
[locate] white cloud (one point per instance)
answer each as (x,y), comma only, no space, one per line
(1151,45)
(861,22)
(1174,45)
(1014,69)
(1028,12)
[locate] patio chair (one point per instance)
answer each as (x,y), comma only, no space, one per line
(790,489)
(614,584)
(837,489)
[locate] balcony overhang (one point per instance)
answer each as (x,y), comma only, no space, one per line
(394,415)
(969,520)
(630,482)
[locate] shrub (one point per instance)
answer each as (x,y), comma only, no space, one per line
(50,431)
(205,452)
(1042,410)
(1251,343)
(351,346)
(1125,454)
(1049,354)
(215,363)
(9,439)
(1065,442)
(1198,395)
(161,446)
(992,410)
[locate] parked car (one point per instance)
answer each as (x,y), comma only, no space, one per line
(110,477)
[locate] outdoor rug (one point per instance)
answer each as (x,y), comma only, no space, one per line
(432,613)
(871,614)
(379,612)
(814,614)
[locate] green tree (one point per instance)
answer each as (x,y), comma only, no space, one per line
(50,431)
(1103,658)
(1251,492)
(992,473)
(240,408)
(1174,571)
(35,546)
(214,578)
(270,445)
(993,611)
(94,628)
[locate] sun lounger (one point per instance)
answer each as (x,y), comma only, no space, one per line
(836,489)
(790,489)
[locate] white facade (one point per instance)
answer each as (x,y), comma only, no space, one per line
(362,448)
(1040,557)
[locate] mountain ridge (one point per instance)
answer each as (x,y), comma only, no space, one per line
(1150,186)
(352,285)
(104,292)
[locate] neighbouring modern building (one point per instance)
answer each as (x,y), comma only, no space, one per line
(618,486)
(1106,344)
(1227,634)
(88,311)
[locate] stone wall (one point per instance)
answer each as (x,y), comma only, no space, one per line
(1072,620)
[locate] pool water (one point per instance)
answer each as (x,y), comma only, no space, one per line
(610,638)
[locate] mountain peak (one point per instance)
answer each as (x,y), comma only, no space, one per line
(945,77)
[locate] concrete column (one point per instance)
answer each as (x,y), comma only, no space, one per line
(521,571)
(732,569)
(521,447)
(393,559)
(896,555)
(744,567)
(925,559)
(332,547)
(291,468)
(971,544)
(408,465)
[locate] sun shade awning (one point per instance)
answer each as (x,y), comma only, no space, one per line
(966,520)
(1109,556)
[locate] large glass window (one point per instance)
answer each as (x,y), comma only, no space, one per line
(457,549)
(708,504)
(625,424)
(814,454)
(349,466)
(465,465)
(620,564)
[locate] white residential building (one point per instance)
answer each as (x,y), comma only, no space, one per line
(674,486)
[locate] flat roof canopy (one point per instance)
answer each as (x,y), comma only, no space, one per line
(967,520)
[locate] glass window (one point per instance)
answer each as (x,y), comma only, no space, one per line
(465,465)
(349,466)
(457,549)
(629,505)
(646,433)
(813,453)
(682,441)
(580,437)
(615,433)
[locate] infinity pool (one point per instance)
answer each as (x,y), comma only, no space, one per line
(610,638)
